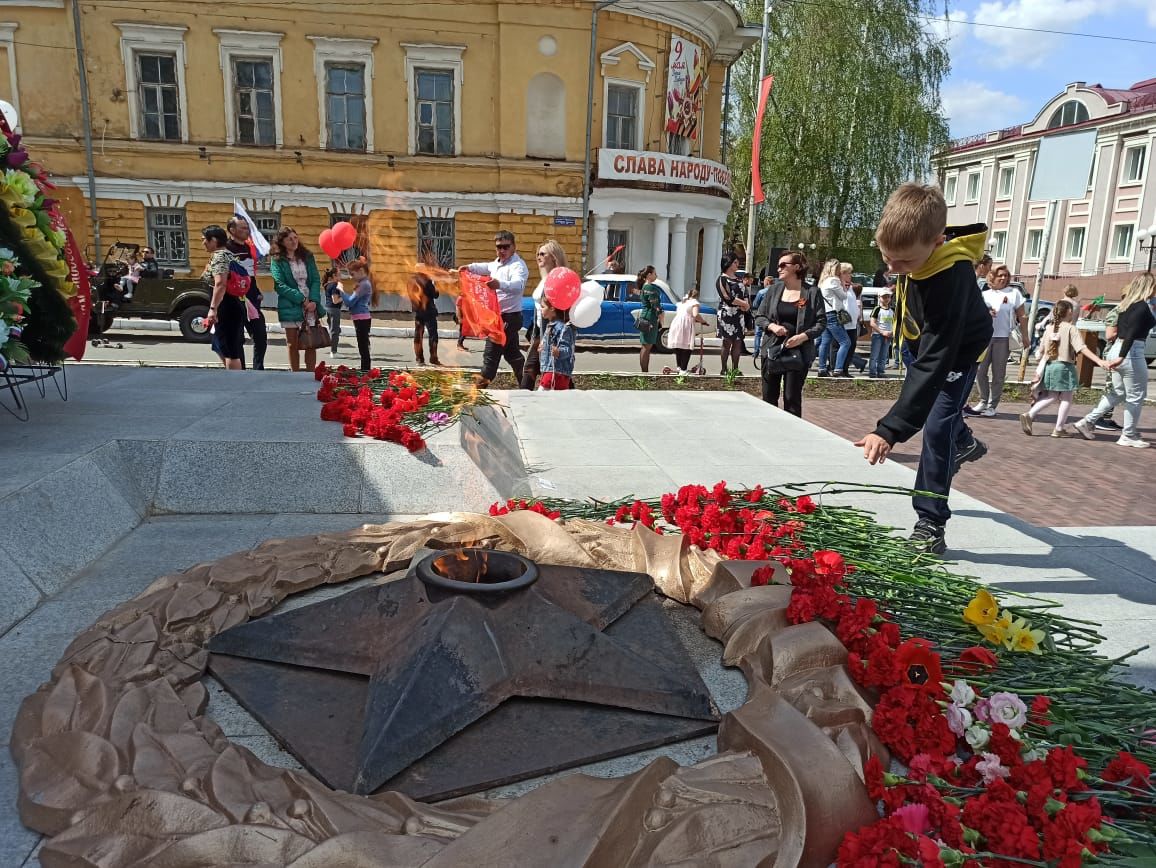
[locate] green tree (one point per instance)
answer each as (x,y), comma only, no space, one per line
(854,112)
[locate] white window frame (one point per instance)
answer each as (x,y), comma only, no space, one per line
(1128,149)
(639,124)
(967,200)
(150,212)
(429,56)
(152,39)
(1000,193)
(1079,257)
(1038,234)
(1113,251)
(999,244)
(250,45)
(8,43)
(343,52)
(949,195)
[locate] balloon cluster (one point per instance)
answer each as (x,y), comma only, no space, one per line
(565,290)
(337,239)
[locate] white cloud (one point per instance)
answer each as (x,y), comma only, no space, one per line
(974,107)
(1020,48)
(949,29)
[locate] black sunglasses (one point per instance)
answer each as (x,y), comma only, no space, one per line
(785,264)
(503,246)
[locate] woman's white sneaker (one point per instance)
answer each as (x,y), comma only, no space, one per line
(1134,441)
(1085,429)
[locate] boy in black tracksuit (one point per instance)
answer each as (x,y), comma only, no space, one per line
(938,307)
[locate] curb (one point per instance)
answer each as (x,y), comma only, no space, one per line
(168,325)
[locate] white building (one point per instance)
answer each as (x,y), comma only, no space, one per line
(986,179)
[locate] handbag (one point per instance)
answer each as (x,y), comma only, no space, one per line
(778,359)
(844,318)
(313,336)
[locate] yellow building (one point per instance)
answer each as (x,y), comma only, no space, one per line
(431,124)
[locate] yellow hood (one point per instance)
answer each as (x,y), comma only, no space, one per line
(963,248)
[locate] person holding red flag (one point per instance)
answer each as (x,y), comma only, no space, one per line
(507,278)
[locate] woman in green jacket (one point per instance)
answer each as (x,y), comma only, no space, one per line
(298,285)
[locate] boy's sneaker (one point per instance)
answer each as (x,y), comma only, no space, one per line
(1085,429)
(975,451)
(988,411)
(1109,424)
(1133,441)
(823,374)
(928,537)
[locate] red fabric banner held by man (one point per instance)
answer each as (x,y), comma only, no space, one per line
(757,142)
(481,317)
(81,303)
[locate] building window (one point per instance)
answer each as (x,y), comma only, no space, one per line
(359,222)
(158,97)
(618,246)
(434,75)
(251,63)
(435,241)
(345,108)
(1071,112)
(1074,249)
(1035,244)
(253,102)
(973,183)
(622,116)
(154,68)
(999,244)
(1007,180)
(344,72)
(949,186)
(168,235)
(1122,241)
(1135,159)
(435,112)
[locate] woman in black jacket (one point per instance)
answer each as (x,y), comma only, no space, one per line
(793,315)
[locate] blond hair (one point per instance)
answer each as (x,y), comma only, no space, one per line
(845,267)
(830,269)
(914,214)
(554,250)
(1142,288)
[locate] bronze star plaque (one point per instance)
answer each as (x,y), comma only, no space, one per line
(410,687)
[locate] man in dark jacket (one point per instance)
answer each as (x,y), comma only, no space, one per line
(937,306)
(242,249)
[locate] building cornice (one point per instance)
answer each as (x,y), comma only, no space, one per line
(1112,126)
(714,22)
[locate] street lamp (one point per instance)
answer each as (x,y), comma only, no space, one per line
(1149,235)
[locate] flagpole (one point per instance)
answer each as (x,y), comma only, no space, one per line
(753,212)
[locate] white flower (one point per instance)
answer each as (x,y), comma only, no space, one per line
(958,718)
(962,694)
(977,736)
(991,768)
(1008,708)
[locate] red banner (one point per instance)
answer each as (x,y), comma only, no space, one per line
(757,141)
(81,303)
(478,309)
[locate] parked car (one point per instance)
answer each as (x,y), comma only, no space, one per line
(185,300)
(1093,321)
(621,303)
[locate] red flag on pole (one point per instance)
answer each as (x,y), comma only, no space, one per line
(757,141)
(81,302)
(478,309)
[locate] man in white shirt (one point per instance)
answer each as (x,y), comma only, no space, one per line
(1007,312)
(508,275)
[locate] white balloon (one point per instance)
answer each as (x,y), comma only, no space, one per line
(586,312)
(592,289)
(9,112)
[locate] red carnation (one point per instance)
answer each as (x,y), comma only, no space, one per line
(1126,769)
(1064,766)
(1039,711)
(977,659)
(804,505)
(349,430)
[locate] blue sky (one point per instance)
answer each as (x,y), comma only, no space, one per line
(1003,77)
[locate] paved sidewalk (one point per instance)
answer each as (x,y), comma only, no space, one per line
(1048,482)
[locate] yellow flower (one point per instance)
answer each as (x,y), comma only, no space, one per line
(998,631)
(982,609)
(1024,638)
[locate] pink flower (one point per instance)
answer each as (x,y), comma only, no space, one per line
(958,718)
(983,711)
(1009,709)
(914,818)
(991,768)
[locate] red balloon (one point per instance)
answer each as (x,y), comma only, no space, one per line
(563,287)
(329,244)
(345,234)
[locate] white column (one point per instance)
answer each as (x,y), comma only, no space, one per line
(677,275)
(600,242)
(661,249)
(712,245)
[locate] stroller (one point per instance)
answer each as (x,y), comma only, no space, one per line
(699,369)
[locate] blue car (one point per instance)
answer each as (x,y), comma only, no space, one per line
(621,302)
